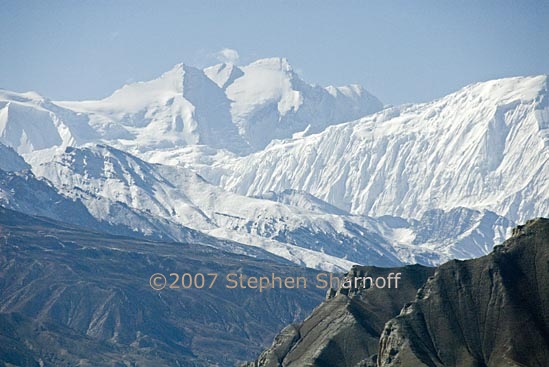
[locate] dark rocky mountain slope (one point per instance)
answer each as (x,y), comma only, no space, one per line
(345,329)
(492,311)
(73,297)
(488,312)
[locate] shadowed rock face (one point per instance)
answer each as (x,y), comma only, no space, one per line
(488,312)
(72,297)
(345,330)
(491,311)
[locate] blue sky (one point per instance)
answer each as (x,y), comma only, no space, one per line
(402,51)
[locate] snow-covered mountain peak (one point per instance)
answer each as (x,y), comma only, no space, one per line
(138,96)
(179,81)
(181,107)
(270,101)
(507,90)
(263,81)
(25,97)
(273,63)
(239,109)
(223,74)
(30,122)
(168,84)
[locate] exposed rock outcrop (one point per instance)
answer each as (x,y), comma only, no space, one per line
(491,311)
(488,312)
(345,330)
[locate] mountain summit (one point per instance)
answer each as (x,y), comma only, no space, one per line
(240,109)
(181,107)
(270,101)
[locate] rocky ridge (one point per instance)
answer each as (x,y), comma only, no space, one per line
(492,311)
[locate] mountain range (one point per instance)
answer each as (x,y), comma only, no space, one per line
(252,169)
(462,150)
(240,109)
(255,155)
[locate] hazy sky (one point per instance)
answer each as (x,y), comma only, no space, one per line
(401,51)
